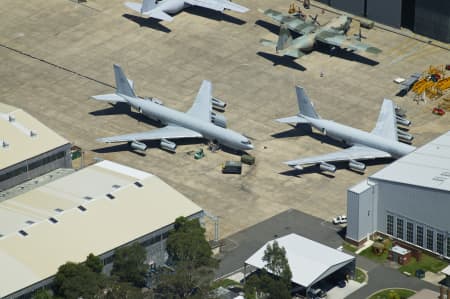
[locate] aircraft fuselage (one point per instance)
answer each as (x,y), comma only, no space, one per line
(353,136)
(207,129)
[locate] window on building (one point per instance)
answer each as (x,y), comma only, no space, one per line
(419,235)
(448,246)
(390,225)
(409,232)
(430,235)
(399,228)
(440,243)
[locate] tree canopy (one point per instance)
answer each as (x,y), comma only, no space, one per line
(277,262)
(77,280)
(277,283)
(187,243)
(129,264)
(94,263)
(193,263)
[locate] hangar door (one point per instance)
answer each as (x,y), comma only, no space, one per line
(387,12)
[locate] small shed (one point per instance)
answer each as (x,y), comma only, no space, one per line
(399,255)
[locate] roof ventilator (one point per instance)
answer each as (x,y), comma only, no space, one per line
(82,209)
(11,118)
(52,220)
(110,196)
(139,184)
(23,233)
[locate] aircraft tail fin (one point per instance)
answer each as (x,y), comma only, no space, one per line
(304,104)
(284,38)
(123,85)
(148,5)
(143,8)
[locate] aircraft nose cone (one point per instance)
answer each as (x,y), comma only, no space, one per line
(250,146)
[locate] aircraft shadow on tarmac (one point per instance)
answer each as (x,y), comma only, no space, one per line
(282,60)
(147,22)
(305,130)
(339,166)
(213,15)
(320,47)
(123,108)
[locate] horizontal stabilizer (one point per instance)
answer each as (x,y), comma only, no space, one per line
(134,6)
(234,7)
(267,43)
(112,97)
(158,14)
(292,52)
(293,120)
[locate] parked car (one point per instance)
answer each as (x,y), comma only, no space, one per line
(341,283)
(340,219)
(420,273)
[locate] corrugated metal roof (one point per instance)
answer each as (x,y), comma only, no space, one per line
(105,223)
(428,166)
(23,137)
(309,260)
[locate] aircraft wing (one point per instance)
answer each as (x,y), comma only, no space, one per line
(356,152)
(343,41)
(202,106)
(218,5)
(293,22)
(386,124)
(168,132)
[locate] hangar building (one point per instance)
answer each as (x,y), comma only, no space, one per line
(426,17)
(408,200)
(28,148)
(94,210)
(310,262)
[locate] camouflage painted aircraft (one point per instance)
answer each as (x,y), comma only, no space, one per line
(332,33)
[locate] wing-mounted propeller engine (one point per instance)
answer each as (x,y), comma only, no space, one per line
(314,19)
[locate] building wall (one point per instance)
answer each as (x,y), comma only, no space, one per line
(415,207)
(432,18)
(361,213)
(36,166)
(154,243)
(352,6)
(388,12)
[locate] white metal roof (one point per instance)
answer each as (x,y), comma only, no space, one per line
(105,224)
(309,260)
(23,137)
(400,250)
(446,270)
(360,187)
(428,166)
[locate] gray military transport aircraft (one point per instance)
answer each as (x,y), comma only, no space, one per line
(198,122)
(382,142)
(333,33)
(161,9)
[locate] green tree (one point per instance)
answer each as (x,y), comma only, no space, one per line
(94,263)
(122,290)
(265,285)
(277,262)
(77,280)
(187,243)
(129,264)
(187,281)
(42,294)
(274,281)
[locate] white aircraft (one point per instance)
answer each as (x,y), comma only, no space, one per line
(382,142)
(161,9)
(198,122)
